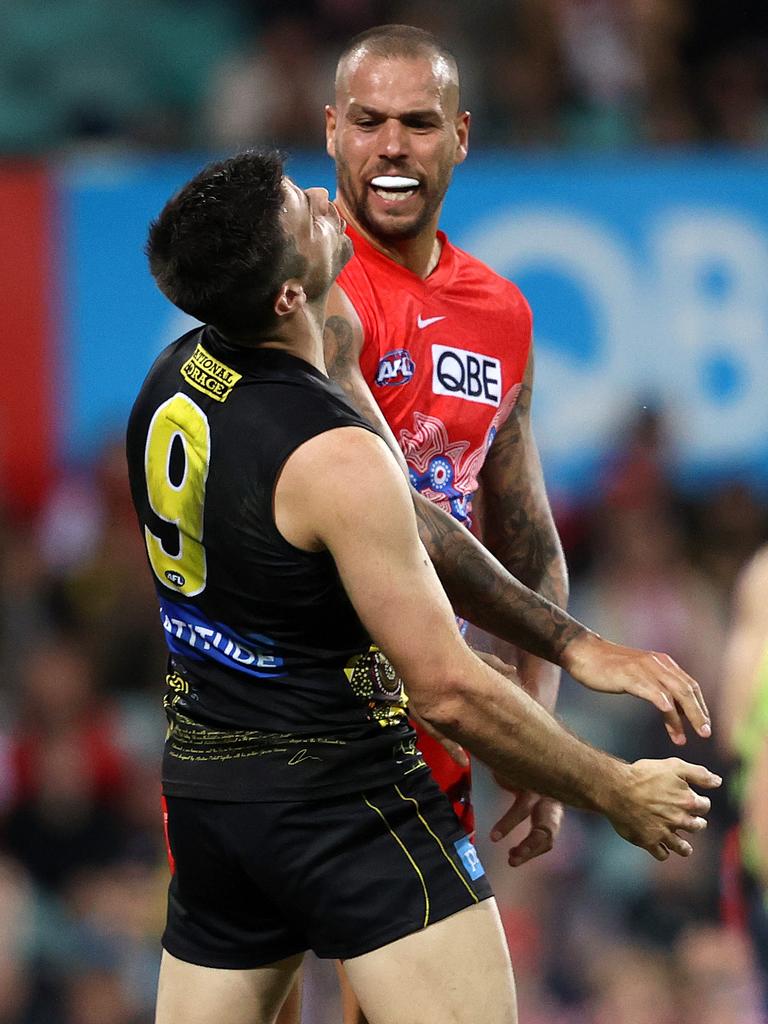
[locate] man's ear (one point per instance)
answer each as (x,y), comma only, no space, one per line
(330,131)
(462,137)
(290,298)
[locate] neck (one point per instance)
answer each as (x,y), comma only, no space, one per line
(420,255)
(303,336)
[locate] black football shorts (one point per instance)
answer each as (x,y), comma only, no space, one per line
(254,883)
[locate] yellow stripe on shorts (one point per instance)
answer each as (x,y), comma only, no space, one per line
(437,839)
(402,846)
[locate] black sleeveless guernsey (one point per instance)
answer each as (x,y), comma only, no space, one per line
(274,689)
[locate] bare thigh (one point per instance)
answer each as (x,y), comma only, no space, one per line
(189,994)
(290,1011)
(351,1013)
(457,970)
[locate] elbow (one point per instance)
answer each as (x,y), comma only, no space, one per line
(442,706)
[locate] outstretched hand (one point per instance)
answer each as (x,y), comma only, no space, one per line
(546,817)
(611,668)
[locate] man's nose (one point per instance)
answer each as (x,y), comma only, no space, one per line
(392,139)
(319,200)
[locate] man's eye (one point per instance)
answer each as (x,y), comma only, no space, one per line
(366,123)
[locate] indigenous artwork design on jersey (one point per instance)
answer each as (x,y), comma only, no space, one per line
(447,472)
(373,678)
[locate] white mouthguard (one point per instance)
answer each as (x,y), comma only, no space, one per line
(393,181)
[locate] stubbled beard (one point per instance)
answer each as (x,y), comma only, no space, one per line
(318,283)
(396,229)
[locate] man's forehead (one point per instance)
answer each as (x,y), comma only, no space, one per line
(407,83)
(293,198)
(291,191)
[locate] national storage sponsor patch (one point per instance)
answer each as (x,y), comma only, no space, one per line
(208,375)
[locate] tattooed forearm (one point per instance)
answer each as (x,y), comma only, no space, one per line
(518,527)
(483,591)
(526,542)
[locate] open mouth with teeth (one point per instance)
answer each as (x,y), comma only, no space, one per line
(394,188)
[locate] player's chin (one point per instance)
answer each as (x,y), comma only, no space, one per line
(344,254)
(395,223)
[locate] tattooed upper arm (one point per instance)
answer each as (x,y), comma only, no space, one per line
(342,337)
(342,344)
(518,526)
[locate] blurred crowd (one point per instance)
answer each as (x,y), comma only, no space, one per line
(170,74)
(599,932)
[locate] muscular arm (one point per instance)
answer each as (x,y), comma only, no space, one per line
(321,501)
(483,591)
(518,526)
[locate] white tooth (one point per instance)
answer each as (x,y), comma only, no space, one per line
(392,181)
(396,197)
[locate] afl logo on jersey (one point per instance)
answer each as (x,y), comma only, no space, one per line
(469,375)
(175,577)
(396,367)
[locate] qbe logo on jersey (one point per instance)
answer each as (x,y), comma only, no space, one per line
(469,375)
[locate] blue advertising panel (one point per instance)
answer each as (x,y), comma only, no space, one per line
(648,279)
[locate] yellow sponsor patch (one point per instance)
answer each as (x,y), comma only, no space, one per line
(208,375)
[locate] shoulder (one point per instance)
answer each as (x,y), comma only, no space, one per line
(472,272)
(344,466)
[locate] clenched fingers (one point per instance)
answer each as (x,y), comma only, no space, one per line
(546,819)
(538,841)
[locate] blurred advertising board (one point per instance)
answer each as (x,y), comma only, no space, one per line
(30,377)
(648,278)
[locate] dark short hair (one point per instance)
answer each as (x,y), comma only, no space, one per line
(405,41)
(218,250)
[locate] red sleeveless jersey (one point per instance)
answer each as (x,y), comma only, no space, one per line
(444,358)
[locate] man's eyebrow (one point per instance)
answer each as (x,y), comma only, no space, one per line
(373,112)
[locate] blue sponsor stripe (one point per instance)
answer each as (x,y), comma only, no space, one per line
(192,635)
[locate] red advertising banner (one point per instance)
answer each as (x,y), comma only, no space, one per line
(27,351)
